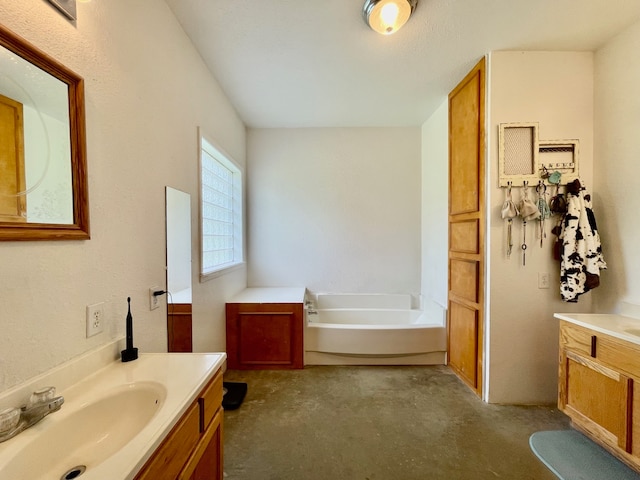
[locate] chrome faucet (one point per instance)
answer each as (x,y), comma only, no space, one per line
(311,309)
(15,420)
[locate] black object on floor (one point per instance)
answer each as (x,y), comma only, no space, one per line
(233,394)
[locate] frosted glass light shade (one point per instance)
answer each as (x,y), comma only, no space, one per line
(387,16)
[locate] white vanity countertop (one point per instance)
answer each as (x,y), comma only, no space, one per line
(615,325)
(269,295)
(183,375)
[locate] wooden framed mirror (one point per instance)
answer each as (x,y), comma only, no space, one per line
(43,164)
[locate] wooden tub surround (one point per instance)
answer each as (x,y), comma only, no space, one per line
(265,329)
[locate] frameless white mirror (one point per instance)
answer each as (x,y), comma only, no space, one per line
(179,308)
(43,186)
(178,205)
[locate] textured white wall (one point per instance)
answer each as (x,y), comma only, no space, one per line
(147,90)
(435,207)
(617,167)
(556,90)
(335,209)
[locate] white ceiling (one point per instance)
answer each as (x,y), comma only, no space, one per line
(305,63)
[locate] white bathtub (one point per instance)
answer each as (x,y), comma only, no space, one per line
(371,329)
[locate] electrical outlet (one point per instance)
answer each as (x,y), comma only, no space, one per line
(543,280)
(153,300)
(95,319)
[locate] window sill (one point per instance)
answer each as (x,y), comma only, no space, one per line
(204,277)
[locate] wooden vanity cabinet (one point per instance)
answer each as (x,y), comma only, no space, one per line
(598,388)
(193,448)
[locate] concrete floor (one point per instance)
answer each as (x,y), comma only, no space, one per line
(377,423)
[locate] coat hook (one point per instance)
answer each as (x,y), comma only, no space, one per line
(542,187)
(545,173)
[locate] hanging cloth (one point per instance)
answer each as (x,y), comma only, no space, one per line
(528,211)
(581,257)
(509,212)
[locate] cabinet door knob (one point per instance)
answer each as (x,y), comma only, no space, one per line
(593,346)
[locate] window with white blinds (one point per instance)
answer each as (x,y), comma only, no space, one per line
(220,210)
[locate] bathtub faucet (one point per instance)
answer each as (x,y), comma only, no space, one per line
(15,420)
(310,307)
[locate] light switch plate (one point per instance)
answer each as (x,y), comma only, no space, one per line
(543,280)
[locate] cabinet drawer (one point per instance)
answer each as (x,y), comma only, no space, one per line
(210,400)
(168,460)
(623,356)
(206,461)
(575,338)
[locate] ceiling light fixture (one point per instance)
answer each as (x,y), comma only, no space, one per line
(387,16)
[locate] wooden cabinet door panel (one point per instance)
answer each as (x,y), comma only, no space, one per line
(598,394)
(264,336)
(463,236)
(206,463)
(464,279)
(168,460)
(465,157)
(463,325)
(210,466)
(635,421)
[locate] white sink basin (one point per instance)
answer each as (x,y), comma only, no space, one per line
(84,435)
(113,418)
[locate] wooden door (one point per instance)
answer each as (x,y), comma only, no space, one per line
(13,208)
(466,227)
